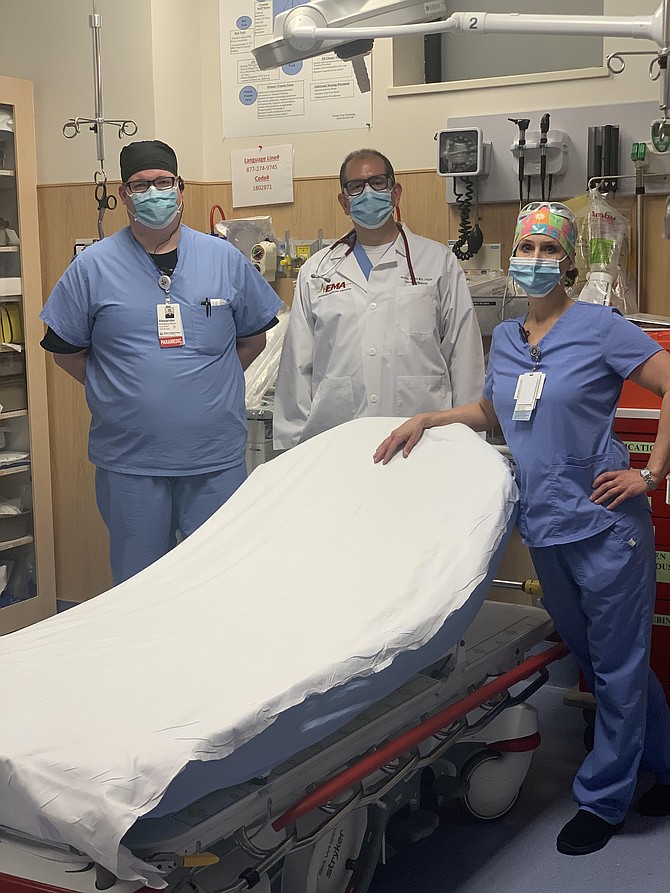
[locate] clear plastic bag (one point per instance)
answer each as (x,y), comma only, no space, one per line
(261,375)
(245,232)
(603,256)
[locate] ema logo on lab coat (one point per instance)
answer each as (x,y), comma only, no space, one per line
(333,286)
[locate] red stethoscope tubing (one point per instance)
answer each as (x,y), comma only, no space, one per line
(350,241)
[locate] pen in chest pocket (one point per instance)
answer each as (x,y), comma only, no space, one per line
(208,303)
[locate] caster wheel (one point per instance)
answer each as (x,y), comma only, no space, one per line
(493,785)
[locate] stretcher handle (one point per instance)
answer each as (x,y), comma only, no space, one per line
(390,751)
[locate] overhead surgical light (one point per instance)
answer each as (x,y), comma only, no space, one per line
(326,26)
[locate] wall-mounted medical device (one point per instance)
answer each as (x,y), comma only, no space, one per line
(644,155)
(460,153)
(263,256)
(556,149)
(603,160)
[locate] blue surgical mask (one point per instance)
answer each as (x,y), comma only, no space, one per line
(371,209)
(156,208)
(536,276)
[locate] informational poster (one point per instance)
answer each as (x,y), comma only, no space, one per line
(300,97)
(262,176)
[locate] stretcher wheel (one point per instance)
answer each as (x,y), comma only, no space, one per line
(335,859)
(494,783)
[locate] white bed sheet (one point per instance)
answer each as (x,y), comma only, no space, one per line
(321,568)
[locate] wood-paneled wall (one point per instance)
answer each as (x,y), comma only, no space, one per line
(68,212)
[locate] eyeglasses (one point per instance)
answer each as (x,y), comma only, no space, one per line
(379,183)
(161,183)
(554,207)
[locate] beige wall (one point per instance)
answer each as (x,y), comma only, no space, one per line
(160,63)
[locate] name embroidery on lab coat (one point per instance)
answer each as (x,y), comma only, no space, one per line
(420,280)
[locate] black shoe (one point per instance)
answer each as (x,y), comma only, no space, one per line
(656,801)
(585,833)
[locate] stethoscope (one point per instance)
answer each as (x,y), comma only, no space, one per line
(350,241)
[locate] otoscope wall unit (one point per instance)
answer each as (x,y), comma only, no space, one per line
(556,149)
(566,148)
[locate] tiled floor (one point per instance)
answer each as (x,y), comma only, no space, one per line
(518,854)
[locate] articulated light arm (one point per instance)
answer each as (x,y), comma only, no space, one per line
(304,29)
(326,25)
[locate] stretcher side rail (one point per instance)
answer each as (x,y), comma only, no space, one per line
(395,748)
(447,726)
(417,760)
(362,797)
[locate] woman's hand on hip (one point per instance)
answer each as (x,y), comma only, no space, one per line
(614,487)
(406,436)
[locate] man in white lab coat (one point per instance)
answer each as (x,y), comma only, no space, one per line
(382,322)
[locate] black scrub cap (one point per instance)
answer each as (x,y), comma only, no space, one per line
(147,155)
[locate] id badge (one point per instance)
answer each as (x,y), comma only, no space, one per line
(170,328)
(528,392)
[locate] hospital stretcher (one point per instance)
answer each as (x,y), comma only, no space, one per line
(305,803)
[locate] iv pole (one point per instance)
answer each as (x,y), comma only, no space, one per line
(72,127)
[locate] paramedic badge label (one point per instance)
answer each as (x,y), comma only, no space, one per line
(170,329)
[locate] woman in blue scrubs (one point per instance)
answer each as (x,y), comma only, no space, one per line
(553,384)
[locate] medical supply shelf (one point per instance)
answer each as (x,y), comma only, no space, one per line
(12,544)
(27,572)
(14,469)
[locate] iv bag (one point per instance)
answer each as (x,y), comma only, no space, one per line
(603,256)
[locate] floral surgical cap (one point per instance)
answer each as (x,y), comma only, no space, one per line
(547,219)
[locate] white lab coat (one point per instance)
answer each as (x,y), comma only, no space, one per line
(381,347)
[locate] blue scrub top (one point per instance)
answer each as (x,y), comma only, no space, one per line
(569,440)
(162,411)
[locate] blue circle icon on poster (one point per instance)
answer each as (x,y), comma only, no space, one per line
(292,68)
(248,95)
(243,23)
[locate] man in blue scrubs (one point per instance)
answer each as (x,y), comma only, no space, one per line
(159,321)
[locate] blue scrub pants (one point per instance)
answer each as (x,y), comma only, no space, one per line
(144,512)
(600,594)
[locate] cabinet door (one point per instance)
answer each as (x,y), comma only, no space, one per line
(26,529)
